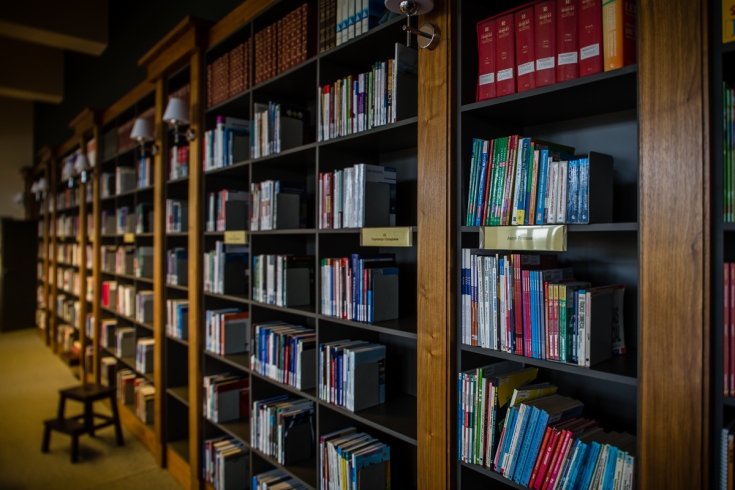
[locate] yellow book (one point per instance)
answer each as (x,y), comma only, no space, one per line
(728,21)
(509,382)
(531,392)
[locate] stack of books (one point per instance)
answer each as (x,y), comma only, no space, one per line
(107,332)
(145,394)
(227,331)
(124,179)
(226,463)
(228,210)
(283,280)
(277,205)
(107,184)
(527,305)
(229,143)
(546,42)
(144,307)
(109,294)
(144,354)
(178,158)
(177,215)
(226,398)
(359,196)
(285,44)
(352,374)
(144,172)
(229,74)
(125,385)
(282,427)
(125,342)
(108,365)
(126,304)
(226,269)
(353,460)
(125,260)
(361,287)
(125,221)
(177,318)
(285,353)
(385,94)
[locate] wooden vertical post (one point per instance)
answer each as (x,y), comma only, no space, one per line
(436,291)
(82,241)
(47,253)
(674,204)
(51,194)
(196,220)
(96,259)
(159,263)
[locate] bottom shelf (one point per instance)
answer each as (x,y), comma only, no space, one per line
(181,448)
(304,471)
(493,475)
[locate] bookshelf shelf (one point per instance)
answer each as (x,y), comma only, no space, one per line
(493,475)
(400,135)
(297,231)
(290,82)
(349,52)
(181,448)
(303,471)
(307,311)
(181,393)
(592,228)
(727,48)
(403,327)
(185,343)
(239,429)
(177,287)
(308,394)
(238,361)
(728,401)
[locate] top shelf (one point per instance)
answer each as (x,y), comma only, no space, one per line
(573,99)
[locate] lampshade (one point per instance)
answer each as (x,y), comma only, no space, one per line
(42,185)
(19,198)
(34,187)
(142,130)
(67,171)
(82,164)
(410,7)
(177,111)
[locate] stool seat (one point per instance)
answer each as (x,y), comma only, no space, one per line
(84,423)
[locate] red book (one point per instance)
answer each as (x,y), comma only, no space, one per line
(567,41)
(732,329)
(517,304)
(505,58)
(554,440)
(726,329)
(544,14)
(486,67)
(590,37)
(527,340)
(486,206)
(539,458)
(557,460)
(525,49)
(546,331)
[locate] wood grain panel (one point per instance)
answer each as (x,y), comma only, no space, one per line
(96,259)
(434,247)
(137,428)
(53,233)
(47,259)
(235,19)
(196,286)
(159,264)
(82,241)
(673,328)
(178,468)
(707,248)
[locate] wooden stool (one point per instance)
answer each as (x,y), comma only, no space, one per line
(82,424)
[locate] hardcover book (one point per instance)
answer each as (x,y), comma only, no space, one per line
(545,37)
(486,67)
(590,37)
(619,33)
(505,58)
(525,48)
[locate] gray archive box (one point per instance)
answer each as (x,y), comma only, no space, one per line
(308,369)
(377,205)
(127,345)
(183,273)
(296,287)
(385,297)
(236,215)
(367,386)
(600,196)
(288,210)
(110,225)
(148,311)
(228,406)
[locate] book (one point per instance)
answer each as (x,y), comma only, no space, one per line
(525,48)
(619,34)
(486,53)
(545,20)
(505,59)
(728,21)
(590,37)
(567,40)
(285,353)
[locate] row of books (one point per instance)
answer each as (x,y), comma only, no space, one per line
(229,74)
(552,41)
(352,374)
(284,353)
(286,43)
(177,267)
(226,269)
(728,151)
(728,328)
(144,354)
(277,205)
(361,287)
(276,128)
(68,280)
(145,394)
(283,280)
(128,260)
(226,398)
(353,460)
(144,172)
(69,253)
(178,161)
(385,94)
(126,179)
(177,318)
(359,196)
(68,226)
(66,336)
(125,342)
(177,215)
(108,337)
(527,305)
(282,427)
(228,210)
(523,181)
(727,457)
(534,436)
(226,463)
(108,368)
(227,331)
(276,479)
(227,144)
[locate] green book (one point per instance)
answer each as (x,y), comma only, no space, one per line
(474,159)
(493,181)
(502,167)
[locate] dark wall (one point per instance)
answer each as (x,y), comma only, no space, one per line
(98,82)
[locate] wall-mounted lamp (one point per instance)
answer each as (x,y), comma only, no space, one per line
(19,198)
(41,188)
(177,114)
(81,167)
(67,172)
(142,133)
(427,36)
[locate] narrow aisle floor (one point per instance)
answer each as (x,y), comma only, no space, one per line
(30,377)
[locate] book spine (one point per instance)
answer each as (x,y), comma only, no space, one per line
(505,56)
(567,40)
(545,38)
(525,49)
(486,54)
(590,37)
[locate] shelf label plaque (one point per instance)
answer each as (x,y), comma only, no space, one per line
(393,236)
(551,238)
(129,238)
(236,237)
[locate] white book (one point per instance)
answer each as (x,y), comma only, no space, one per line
(480,301)
(561,197)
(581,328)
(365,16)
(619,463)
(503,307)
(553,191)
(493,310)
(279,280)
(473,287)
(628,472)
(509,456)
(349,189)
(350,19)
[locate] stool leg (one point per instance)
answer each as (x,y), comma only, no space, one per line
(89,417)
(74,448)
(62,403)
(116,417)
(46,439)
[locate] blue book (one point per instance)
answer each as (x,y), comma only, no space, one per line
(526,444)
(609,476)
(573,470)
(561,478)
(584,191)
(542,183)
(534,448)
(572,190)
(512,416)
(528,183)
(481,186)
(521,185)
(574,326)
(589,467)
(522,428)
(532,309)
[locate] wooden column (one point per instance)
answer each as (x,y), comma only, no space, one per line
(159,274)
(47,253)
(196,271)
(96,259)
(53,233)
(436,288)
(82,241)
(674,240)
